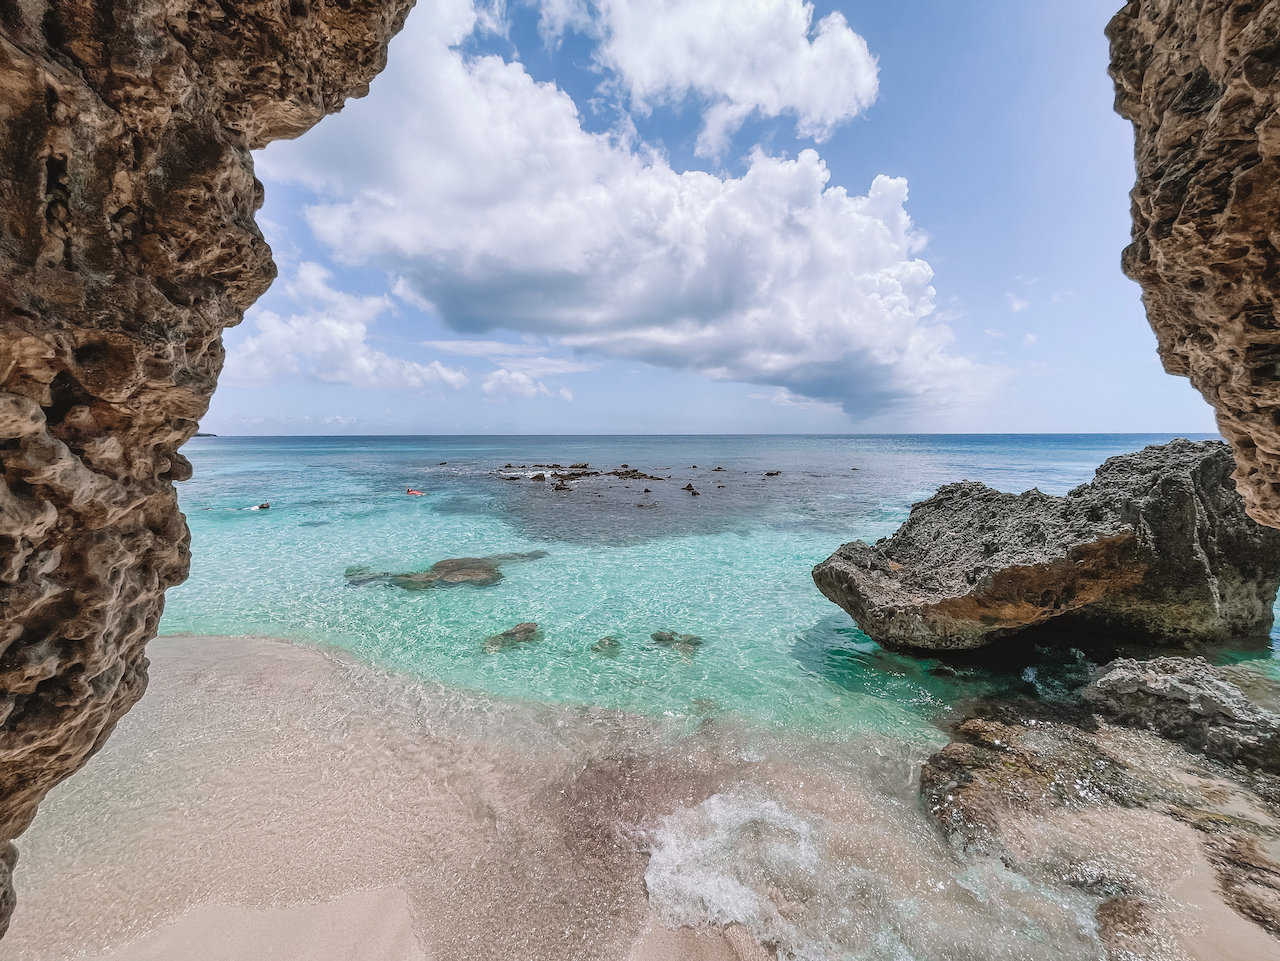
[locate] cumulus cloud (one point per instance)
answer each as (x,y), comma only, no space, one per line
(326,342)
(479,188)
(503,382)
(764,57)
(1016,303)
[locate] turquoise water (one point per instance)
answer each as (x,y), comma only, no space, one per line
(730,565)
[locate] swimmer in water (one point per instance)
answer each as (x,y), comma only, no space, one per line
(410,490)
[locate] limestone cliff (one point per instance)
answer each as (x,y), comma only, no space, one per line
(127,244)
(1200,79)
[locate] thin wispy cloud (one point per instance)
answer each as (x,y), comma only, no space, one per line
(525,358)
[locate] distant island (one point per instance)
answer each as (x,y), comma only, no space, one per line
(202,434)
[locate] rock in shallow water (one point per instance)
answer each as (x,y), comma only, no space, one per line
(477,571)
(1121,816)
(1158,547)
(1187,700)
(522,633)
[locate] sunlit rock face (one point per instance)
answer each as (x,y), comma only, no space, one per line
(1201,82)
(127,244)
(1157,549)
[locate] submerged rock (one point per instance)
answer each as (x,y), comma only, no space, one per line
(1188,701)
(608,645)
(477,571)
(1158,547)
(522,633)
(685,643)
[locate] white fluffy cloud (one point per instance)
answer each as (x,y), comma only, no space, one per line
(741,58)
(520,366)
(327,342)
(502,382)
(480,188)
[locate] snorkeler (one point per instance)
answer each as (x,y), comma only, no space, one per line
(410,490)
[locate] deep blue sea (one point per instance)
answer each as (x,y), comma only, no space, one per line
(730,565)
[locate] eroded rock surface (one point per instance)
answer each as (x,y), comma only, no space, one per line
(1166,844)
(1189,701)
(127,244)
(1201,83)
(1157,547)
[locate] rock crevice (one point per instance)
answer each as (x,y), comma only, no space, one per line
(127,245)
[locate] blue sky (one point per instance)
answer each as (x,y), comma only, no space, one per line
(659,216)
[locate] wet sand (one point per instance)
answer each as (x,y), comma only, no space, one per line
(270,801)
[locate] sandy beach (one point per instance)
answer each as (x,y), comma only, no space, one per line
(268,801)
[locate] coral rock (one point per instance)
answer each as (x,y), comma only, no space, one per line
(127,244)
(1201,83)
(1158,547)
(1187,700)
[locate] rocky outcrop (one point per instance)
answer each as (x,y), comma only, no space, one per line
(1187,700)
(1158,547)
(1201,82)
(127,244)
(1122,817)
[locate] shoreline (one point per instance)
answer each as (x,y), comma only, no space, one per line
(269,800)
(363,905)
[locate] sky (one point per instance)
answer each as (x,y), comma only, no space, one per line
(710,216)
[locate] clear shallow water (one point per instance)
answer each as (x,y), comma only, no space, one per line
(730,566)
(547,801)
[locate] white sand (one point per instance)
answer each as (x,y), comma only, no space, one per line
(362,926)
(265,801)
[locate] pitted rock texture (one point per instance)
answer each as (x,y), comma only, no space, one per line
(127,244)
(1157,548)
(1122,817)
(1187,700)
(1200,79)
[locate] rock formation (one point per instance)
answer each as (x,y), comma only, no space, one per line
(523,633)
(1158,547)
(127,244)
(1187,700)
(477,571)
(1201,83)
(1122,816)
